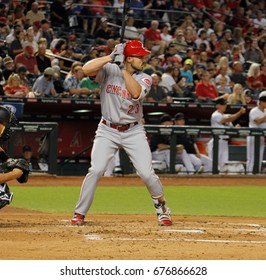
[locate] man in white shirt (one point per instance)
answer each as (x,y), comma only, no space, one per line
(219,119)
(257,119)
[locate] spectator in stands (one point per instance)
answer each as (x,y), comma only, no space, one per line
(248,97)
(14,87)
(219,29)
(138,8)
(18,15)
(152,39)
(157,92)
(103,32)
(263,74)
(29,38)
(237,97)
(92,86)
(257,119)
(206,27)
(16,47)
(27,59)
(253,81)
(186,73)
(37,32)
(58,82)
(47,31)
(223,86)
(219,119)
(92,53)
(253,53)
(67,58)
(8,67)
(165,35)
(59,47)
(78,53)
(199,161)
(153,65)
(22,72)
(34,14)
(58,13)
(198,73)
(72,83)
(238,76)
(131,32)
(44,86)
(169,83)
(203,38)
(179,42)
(11,36)
(205,90)
(43,61)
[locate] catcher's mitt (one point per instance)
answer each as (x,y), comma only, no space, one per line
(20,163)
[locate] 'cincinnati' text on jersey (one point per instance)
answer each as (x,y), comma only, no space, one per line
(116,89)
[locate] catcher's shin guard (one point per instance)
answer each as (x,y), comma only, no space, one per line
(5,196)
(163,213)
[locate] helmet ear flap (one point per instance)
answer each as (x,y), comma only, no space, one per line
(7,118)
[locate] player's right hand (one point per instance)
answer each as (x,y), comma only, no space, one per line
(118,51)
(242,110)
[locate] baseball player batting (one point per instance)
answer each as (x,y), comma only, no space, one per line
(122,93)
(10,169)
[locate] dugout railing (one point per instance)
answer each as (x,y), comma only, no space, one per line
(46,136)
(214,132)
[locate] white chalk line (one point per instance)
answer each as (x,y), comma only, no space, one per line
(97,237)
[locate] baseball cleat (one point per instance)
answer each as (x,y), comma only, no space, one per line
(78,219)
(164,219)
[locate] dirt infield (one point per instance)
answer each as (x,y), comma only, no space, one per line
(34,235)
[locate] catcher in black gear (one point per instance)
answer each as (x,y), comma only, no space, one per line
(10,169)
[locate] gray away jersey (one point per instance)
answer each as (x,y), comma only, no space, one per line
(117,105)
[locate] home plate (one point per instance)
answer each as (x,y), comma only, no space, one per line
(185,230)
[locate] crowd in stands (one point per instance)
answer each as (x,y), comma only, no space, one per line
(200,50)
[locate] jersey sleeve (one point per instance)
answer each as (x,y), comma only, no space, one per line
(145,82)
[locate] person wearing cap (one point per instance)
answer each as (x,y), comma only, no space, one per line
(9,67)
(28,156)
(78,53)
(103,32)
(257,119)
(186,73)
(43,85)
(201,163)
(219,119)
(160,149)
(27,59)
(123,89)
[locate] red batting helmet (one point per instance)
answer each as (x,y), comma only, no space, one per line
(135,48)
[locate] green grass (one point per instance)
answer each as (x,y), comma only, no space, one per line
(213,201)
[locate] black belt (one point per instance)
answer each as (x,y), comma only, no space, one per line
(120,127)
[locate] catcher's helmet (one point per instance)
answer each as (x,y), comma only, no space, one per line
(7,118)
(135,48)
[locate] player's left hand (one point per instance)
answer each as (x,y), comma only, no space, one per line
(118,51)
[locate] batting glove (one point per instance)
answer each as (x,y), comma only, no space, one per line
(118,50)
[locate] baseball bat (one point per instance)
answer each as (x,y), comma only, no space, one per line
(124,19)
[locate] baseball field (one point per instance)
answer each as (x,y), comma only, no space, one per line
(214,218)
